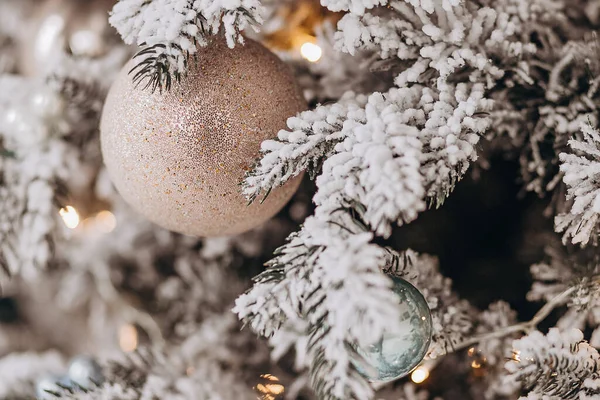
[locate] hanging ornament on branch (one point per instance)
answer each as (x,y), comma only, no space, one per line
(179,156)
(73,27)
(397,354)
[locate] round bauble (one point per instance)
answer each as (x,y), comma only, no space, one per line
(179,156)
(397,354)
(74,27)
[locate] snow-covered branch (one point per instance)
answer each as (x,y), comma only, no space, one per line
(581,170)
(206,366)
(170,32)
(19,371)
(44,125)
(554,366)
(444,41)
(313,137)
(313,283)
(34,161)
(404,148)
(410,146)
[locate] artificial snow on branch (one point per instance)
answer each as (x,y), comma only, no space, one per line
(205,366)
(359,6)
(404,148)
(455,38)
(313,138)
(581,170)
(44,126)
(170,32)
(561,270)
(542,116)
(313,283)
(35,162)
(554,366)
(19,371)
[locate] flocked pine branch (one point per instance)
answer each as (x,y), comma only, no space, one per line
(360,6)
(404,148)
(12,13)
(313,283)
(45,126)
(560,118)
(294,309)
(561,270)
(559,365)
(313,137)
(581,170)
(453,39)
(205,366)
(19,371)
(170,32)
(35,162)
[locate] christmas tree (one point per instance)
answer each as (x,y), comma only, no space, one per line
(287,199)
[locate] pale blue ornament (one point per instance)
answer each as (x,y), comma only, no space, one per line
(397,354)
(85,372)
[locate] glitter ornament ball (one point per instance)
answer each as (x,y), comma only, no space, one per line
(65,26)
(395,356)
(179,156)
(85,372)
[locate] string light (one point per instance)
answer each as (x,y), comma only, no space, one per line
(311,52)
(128,338)
(516,355)
(419,375)
(70,216)
(478,362)
(270,389)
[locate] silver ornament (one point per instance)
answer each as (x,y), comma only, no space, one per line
(85,372)
(179,156)
(396,355)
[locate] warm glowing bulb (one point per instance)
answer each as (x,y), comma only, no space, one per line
(128,338)
(269,390)
(311,51)
(70,216)
(275,388)
(106,221)
(516,355)
(419,375)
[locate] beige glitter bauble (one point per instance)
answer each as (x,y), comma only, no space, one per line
(178,157)
(65,26)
